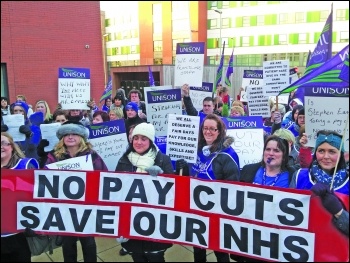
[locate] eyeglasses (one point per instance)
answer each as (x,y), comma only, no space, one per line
(211,129)
(5,144)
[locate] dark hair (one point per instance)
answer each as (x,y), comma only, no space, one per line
(104,115)
(109,98)
(283,145)
(342,162)
(217,144)
(135,91)
(208,99)
(119,96)
(296,108)
(59,112)
(301,112)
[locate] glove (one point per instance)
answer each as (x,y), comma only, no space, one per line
(320,189)
(154,170)
(180,164)
(122,239)
(40,149)
(4,128)
(25,129)
(331,203)
(277,117)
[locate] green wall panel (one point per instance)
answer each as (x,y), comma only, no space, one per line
(253,21)
(251,41)
(239,21)
(276,39)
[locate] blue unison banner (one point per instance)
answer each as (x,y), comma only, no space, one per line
(74,73)
(106,129)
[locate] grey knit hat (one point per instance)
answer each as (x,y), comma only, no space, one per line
(72,127)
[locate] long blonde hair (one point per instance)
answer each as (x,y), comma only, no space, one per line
(16,151)
(60,149)
(48,115)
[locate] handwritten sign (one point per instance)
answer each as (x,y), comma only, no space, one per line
(76,163)
(250,78)
(258,104)
(48,132)
(276,76)
(249,138)
(109,141)
(160,104)
(182,141)
(326,109)
(74,88)
(13,122)
(197,94)
(189,64)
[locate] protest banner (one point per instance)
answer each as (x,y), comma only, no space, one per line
(48,132)
(160,104)
(109,141)
(276,76)
(197,94)
(249,138)
(326,109)
(189,63)
(13,122)
(258,103)
(182,141)
(262,222)
(74,88)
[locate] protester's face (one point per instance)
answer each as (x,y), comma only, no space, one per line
(40,107)
(208,107)
(301,120)
(235,113)
(140,143)
(97,119)
(131,113)
(273,153)
(326,156)
(117,102)
(3,103)
(108,102)
(71,140)
(74,113)
(210,131)
(6,148)
(113,116)
(61,119)
(18,110)
(134,97)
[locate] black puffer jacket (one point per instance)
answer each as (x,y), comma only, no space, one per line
(135,245)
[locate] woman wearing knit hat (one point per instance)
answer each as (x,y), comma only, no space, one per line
(143,156)
(318,178)
(72,143)
(132,116)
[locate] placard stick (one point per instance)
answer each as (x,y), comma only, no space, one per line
(180,173)
(341,145)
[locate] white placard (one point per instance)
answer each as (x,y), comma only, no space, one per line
(276,76)
(13,122)
(258,104)
(182,141)
(76,163)
(74,93)
(250,78)
(48,132)
(197,94)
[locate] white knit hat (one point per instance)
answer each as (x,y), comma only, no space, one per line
(145,129)
(70,127)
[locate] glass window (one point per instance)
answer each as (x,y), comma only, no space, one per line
(213,24)
(246,21)
(260,21)
(283,56)
(324,15)
(291,18)
(225,23)
(225,4)
(303,38)
(283,18)
(245,41)
(212,60)
(224,39)
(274,56)
(133,49)
(4,84)
(214,4)
(134,33)
(282,40)
(126,34)
(158,61)
(300,17)
(158,45)
(344,36)
(341,15)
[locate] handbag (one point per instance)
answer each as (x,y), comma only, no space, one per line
(39,244)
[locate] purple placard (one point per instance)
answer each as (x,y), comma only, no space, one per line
(74,73)
(206,86)
(253,74)
(326,92)
(106,129)
(249,122)
(190,48)
(161,96)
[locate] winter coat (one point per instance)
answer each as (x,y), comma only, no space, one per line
(135,245)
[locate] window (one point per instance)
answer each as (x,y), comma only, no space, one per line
(245,41)
(225,4)
(324,15)
(4,84)
(300,17)
(294,59)
(260,21)
(158,45)
(225,23)
(133,49)
(213,24)
(341,15)
(344,36)
(214,4)
(224,39)
(283,56)
(158,61)
(303,38)
(246,21)
(283,18)
(126,34)
(282,40)
(134,33)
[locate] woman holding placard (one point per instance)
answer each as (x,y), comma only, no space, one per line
(73,143)
(216,160)
(328,173)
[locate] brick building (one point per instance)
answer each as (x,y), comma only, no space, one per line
(38,38)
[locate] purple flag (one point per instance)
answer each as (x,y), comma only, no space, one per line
(229,71)
(344,73)
(219,71)
(150,77)
(107,93)
(323,50)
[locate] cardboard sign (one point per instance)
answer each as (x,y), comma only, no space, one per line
(276,76)
(197,94)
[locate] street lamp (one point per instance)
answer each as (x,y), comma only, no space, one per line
(220,44)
